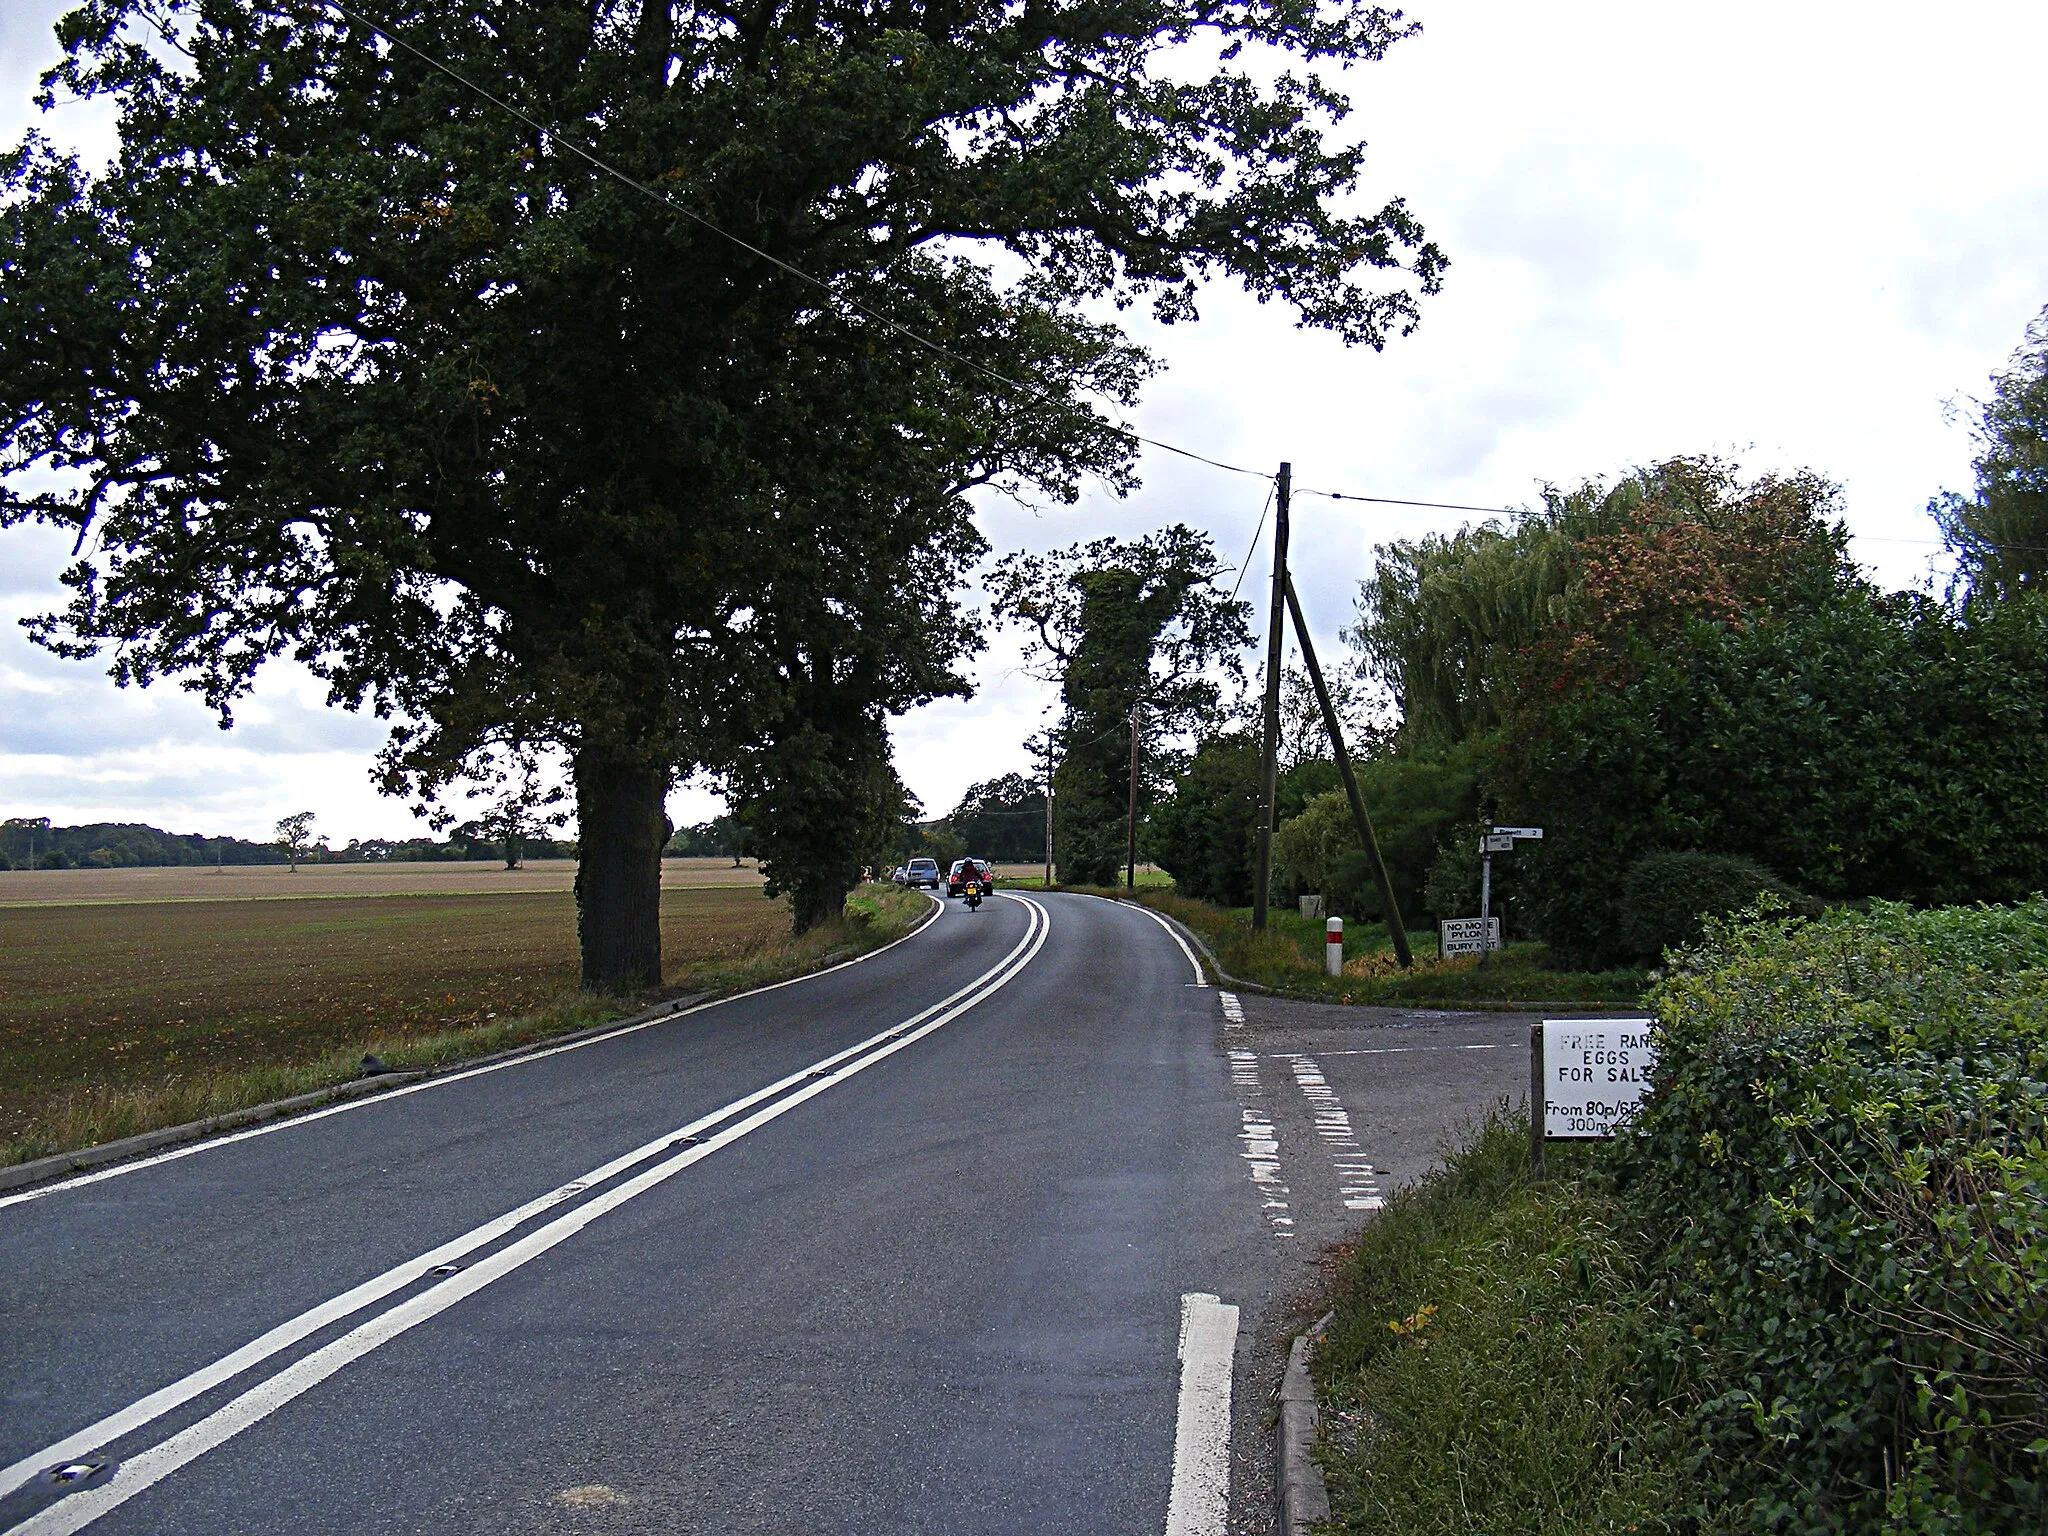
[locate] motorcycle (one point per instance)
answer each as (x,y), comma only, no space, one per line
(973,892)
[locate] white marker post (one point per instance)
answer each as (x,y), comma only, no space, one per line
(1587,1078)
(1333,946)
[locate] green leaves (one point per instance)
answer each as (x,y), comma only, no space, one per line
(1841,1177)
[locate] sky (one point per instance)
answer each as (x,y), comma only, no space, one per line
(1792,234)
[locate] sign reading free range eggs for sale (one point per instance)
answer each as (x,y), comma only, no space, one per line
(1594,1073)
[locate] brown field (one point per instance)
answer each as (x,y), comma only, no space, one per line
(256,882)
(114,995)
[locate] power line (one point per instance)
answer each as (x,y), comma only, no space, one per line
(1396,501)
(1246,564)
(383,29)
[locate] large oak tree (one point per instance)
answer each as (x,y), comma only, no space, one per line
(342,360)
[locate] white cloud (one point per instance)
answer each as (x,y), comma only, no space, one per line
(1783,233)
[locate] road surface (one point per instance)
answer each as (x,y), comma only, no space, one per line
(1001,1229)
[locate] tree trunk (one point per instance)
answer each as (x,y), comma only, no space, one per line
(620,833)
(815,901)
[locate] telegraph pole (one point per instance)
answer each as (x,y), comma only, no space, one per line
(1269,765)
(1048,810)
(1131,816)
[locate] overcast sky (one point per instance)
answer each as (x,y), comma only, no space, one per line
(1785,233)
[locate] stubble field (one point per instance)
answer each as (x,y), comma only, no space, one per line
(117,1013)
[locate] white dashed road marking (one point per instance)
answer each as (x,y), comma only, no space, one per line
(1357,1184)
(1259,1143)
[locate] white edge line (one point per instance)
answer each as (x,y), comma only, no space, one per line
(260,1401)
(126,1420)
(290,1122)
(1199,1503)
(1201,979)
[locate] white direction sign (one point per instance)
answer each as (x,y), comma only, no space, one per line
(1594,1073)
(1534,834)
(1497,843)
(1460,935)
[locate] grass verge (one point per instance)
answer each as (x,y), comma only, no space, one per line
(1288,957)
(192,1010)
(1481,1373)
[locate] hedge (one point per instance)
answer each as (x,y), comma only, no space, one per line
(1842,1183)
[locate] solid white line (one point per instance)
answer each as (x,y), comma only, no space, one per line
(1386,1050)
(1174,934)
(1200,1502)
(125,1421)
(212,1143)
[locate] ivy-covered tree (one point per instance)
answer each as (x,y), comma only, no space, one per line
(1136,634)
(341,359)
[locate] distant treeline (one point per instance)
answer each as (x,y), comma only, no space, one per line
(29,843)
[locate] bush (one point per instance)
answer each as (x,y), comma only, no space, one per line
(1842,1178)
(1666,898)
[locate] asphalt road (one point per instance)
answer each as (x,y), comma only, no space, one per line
(902,1247)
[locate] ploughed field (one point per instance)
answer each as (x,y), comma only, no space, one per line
(106,995)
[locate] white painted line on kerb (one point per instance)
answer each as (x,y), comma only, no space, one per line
(142,1471)
(1199,1504)
(215,1143)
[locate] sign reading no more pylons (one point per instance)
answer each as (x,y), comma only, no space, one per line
(1460,935)
(1587,1078)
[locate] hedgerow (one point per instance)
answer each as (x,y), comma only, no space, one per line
(1842,1190)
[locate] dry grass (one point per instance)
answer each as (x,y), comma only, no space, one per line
(121,1018)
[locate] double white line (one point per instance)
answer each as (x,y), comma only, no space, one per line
(688,1143)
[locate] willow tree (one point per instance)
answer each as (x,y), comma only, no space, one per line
(344,359)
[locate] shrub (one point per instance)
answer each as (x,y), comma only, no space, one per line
(1842,1178)
(1666,897)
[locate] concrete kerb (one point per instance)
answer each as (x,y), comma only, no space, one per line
(85,1159)
(1304,1498)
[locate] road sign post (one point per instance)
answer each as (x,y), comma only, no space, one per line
(1499,840)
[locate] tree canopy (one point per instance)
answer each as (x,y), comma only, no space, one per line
(343,360)
(2001,533)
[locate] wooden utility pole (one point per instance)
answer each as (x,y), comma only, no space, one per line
(1131,816)
(1048,810)
(1048,831)
(1396,929)
(1269,763)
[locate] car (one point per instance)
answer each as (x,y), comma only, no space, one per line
(896,875)
(922,872)
(963,869)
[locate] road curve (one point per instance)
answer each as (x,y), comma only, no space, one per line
(901,1247)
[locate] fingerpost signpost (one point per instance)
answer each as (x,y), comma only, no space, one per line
(1499,840)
